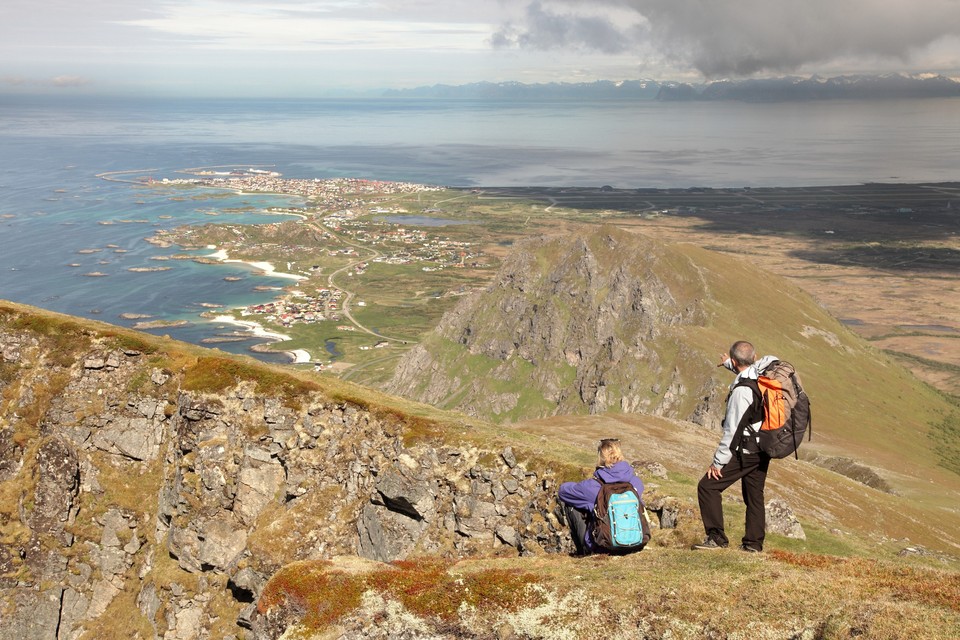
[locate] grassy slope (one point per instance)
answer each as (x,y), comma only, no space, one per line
(864,404)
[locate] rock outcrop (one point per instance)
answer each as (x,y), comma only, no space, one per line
(581,323)
(132,490)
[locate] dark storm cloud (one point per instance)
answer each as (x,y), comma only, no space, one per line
(738,37)
(544,29)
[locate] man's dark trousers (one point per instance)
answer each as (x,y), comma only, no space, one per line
(751,469)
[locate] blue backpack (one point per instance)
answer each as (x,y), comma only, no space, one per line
(620,522)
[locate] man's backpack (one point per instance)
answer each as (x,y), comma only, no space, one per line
(620,519)
(782,407)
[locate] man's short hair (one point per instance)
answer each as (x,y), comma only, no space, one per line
(743,353)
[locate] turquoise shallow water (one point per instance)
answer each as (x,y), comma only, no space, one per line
(58,216)
(52,204)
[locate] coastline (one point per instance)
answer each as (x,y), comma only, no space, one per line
(267,267)
(300,356)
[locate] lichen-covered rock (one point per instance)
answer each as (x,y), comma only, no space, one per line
(189,501)
(781,519)
(53,498)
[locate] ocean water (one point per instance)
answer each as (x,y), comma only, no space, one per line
(53,205)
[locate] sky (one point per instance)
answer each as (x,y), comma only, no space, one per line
(307,48)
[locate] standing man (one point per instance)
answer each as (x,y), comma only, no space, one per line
(737,458)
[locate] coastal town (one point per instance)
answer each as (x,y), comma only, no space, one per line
(325,193)
(345,231)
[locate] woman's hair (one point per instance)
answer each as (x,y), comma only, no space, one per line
(608,453)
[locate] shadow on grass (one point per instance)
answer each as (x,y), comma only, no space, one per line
(889,258)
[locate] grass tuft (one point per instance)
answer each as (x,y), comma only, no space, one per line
(216,374)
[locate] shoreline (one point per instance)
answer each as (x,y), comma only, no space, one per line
(222,255)
(300,356)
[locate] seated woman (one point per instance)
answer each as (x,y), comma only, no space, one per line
(579,499)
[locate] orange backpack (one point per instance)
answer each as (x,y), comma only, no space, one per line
(782,407)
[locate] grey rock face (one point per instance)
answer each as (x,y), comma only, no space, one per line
(59,479)
(576,321)
(230,487)
(781,519)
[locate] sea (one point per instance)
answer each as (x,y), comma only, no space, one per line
(56,210)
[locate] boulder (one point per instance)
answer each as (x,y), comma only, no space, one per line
(407,492)
(221,544)
(781,520)
(386,535)
(136,438)
(257,487)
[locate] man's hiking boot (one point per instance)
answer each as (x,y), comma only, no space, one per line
(708,545)
(744,547)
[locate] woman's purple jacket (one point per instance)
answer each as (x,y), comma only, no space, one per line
(583,495)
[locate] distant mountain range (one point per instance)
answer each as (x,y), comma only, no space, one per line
(859,87)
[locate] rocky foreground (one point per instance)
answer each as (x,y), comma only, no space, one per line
(137,494)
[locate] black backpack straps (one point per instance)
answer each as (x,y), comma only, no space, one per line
(753,414)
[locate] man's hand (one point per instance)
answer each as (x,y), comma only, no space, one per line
(714,473)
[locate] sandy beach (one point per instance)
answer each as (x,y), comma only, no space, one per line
(268,269)
(255,328)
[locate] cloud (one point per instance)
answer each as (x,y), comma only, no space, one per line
(69,81)
(738,37)
(547,30)
(58,81)
(310,26)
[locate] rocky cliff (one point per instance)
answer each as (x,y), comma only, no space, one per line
(150,492)
(581,323)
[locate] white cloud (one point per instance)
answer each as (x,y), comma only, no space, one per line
(311,26)
(69,81)
(240,46)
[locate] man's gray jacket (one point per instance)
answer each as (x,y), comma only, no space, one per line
(739,400)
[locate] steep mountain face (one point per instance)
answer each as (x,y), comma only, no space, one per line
(148,493)
(580,323)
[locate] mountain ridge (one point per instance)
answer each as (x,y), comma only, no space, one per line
(789,88)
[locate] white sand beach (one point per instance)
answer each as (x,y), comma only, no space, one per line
(299,355)
(268,269)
